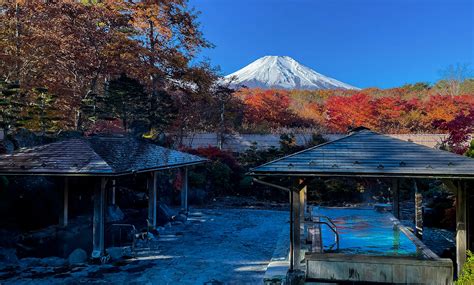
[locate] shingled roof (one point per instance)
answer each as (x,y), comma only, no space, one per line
(367,153)
(101,156)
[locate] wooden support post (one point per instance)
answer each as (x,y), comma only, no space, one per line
(184,190)
(152,195)
(113,192)
(292,236)
(296,212)
(461,238)
(396,198)
(418,212)
(296,230)
(98,233)
(302,201)
(63,216)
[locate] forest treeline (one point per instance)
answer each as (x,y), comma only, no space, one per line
(94,66)
(413,108)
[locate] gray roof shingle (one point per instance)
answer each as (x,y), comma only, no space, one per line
(367,153)
(108,156)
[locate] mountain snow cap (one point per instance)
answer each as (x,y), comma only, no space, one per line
(283,72)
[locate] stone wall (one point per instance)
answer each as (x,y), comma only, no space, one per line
(241,142)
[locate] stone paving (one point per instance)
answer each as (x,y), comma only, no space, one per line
(215,246)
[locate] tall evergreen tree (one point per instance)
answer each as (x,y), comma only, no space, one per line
(12,106)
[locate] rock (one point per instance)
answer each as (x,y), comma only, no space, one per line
(213,282)
(163,215)
(295,277)
(117,253)
(181,218)
(9,146)
(151,236)
(78,256)
(8,256)
(30,262)
(53,261)
(198,196)
(114,214)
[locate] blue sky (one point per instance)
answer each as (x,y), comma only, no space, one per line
(366,43)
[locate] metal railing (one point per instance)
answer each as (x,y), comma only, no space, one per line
(330,225)
(130,232)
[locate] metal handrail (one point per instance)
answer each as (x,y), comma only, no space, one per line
(132,231)
(329,220)
(333,228)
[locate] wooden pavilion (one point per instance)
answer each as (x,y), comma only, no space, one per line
(364,153)
(105,158)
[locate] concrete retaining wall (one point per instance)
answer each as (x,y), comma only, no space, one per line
(381,269)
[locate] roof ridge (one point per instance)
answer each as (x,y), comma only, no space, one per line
(87,142)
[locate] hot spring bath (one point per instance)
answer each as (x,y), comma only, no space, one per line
(373,247)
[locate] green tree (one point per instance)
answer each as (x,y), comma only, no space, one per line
(470,150)
(12,106)
(467,275)
(127,100)
(42,114)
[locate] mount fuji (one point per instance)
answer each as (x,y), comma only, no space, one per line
(283,72)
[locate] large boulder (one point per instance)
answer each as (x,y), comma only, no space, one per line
(117,253)
(78,256)
(53,261)
(164,214)
(114,214)
(198,196)
(8,256)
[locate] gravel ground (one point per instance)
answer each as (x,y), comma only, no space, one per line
(215,246)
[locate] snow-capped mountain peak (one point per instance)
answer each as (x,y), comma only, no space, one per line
(283,72)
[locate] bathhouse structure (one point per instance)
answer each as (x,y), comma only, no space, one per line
(104,158)
(364,153)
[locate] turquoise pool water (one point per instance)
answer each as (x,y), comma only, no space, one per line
(365,231)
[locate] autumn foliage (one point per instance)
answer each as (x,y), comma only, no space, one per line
(96,65)
(271,108)
(397,110)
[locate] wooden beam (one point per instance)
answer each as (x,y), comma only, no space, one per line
(396,198)
(63,216)
(98,233)
(461,237)
(184,190)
